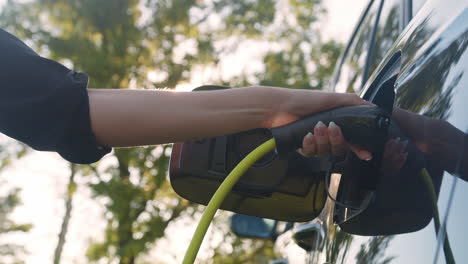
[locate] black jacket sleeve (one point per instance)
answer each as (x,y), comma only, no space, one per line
(44,104)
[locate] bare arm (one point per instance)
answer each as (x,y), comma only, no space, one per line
(121,118)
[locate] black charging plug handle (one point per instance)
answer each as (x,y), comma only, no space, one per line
(364,126)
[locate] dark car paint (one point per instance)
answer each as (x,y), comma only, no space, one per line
(432,82)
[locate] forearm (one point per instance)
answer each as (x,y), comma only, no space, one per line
(124,117)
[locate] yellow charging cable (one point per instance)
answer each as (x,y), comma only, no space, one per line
(242,167)
(221,193)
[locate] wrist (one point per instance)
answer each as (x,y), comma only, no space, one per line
(273,101)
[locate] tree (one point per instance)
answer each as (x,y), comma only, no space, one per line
(233,249)
(135,220)
(9,252)
(71,189)
(105,39)
(301,68)
(9,201)
(162,43)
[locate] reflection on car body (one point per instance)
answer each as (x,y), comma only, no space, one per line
(431,93)
(431,77)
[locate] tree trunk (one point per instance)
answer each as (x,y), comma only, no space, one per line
(66,219)
(127,260)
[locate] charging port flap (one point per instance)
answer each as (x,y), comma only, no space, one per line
(400,203)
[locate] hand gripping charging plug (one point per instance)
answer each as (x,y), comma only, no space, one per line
(361,125)
(364,126)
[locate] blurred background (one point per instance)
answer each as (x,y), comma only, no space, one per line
(122,209)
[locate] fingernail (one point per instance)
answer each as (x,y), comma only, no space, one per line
(333,129)
(320,124)
(308,138)
(368,158)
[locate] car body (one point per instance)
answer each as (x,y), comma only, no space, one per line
(430,39)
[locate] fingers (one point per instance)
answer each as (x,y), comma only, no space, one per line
(394,156)
(309,148)
(323,142)
(330,140)
(327,141)
(337,141)
(361,153)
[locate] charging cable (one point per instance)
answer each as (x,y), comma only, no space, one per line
(220,194)
(241,168)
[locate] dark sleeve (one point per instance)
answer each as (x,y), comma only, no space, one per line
(44,104)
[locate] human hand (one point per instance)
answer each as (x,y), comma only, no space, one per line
(297,103)
(326,141)
(330,141)
(323,141)
(395,155)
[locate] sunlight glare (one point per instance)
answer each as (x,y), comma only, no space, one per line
(185,87)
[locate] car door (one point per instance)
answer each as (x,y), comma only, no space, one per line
(432,86)
(378,28)
(348,77)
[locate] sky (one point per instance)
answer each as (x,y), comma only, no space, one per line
(43,176)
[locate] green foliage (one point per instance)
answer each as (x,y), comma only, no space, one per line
(8,203)
(109,41)
(139,203)
(291,68)
(247,251)
(232,249)
(10,151)
(249,18)
(120,43)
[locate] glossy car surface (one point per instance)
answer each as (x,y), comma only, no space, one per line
(432,38)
